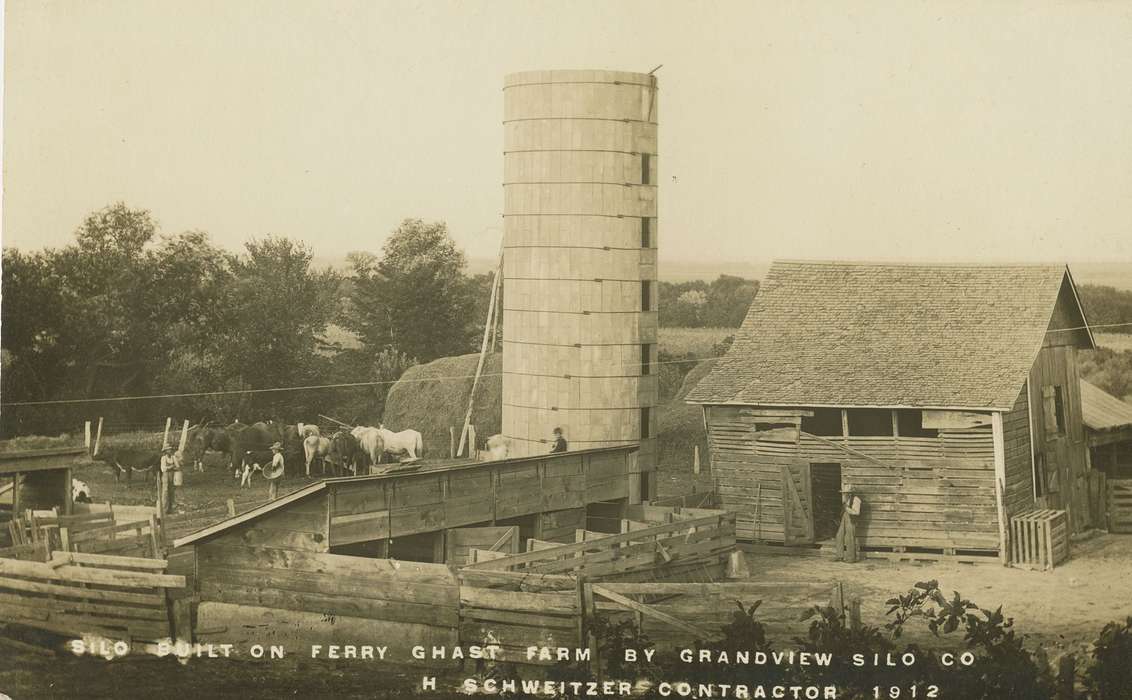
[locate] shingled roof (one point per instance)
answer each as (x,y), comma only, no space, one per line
(893,335)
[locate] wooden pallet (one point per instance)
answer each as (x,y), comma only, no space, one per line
(1039,540)
(1120,505)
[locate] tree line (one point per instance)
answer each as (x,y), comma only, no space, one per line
(125,310)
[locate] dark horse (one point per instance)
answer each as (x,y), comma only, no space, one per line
(344,453)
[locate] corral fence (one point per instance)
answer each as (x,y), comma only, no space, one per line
(1120,505)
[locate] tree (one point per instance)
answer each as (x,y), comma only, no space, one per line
(416,298)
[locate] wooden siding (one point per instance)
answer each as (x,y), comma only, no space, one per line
(1019,485)
(480,493)
(935,492)
(1062,456)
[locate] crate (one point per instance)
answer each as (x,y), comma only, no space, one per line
(1039,539)
(1120,505)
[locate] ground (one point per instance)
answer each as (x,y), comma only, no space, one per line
(1061,609)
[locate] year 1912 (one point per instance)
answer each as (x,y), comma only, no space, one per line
(915,691)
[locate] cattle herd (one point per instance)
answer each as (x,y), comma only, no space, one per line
(243,446)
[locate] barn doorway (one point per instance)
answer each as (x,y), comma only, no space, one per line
(825,484)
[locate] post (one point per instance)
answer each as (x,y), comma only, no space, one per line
(97,438)
(231,508)
(483,348)
(472,441)
(165,437)
(184,436)
(696,459)
(451,442)
(86,430)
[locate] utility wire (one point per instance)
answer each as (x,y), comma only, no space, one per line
(346,385)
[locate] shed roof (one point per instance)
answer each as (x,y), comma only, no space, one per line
(893,335)
(1103,411)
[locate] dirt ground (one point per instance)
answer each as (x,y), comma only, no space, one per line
(1062,609)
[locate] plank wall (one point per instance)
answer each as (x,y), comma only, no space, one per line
(408,601)
(1019,486)
(934,492)
(483,493)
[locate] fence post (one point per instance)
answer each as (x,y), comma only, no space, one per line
(97,438)
(86,430)
(231,508)
(696,459)
(451,442)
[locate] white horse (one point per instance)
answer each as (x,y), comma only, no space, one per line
(316,447)
(371,442)
(498,447)
(407,441)
(308,429)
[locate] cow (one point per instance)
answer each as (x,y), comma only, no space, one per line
(207,437)
(293,452)
(127,460)
(316,447)
(252,461)
(343,453)
(498,447)
(407,441)
(370,442)
(257,437)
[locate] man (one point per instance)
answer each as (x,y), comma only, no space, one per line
(169,467)
(559,442)
(847,549)
(275,471)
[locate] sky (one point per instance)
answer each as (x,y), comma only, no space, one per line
(859,130)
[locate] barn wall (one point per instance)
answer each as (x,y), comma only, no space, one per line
(1062,461)
(937,492)
(1018,494)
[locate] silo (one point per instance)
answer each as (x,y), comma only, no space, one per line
(580,239)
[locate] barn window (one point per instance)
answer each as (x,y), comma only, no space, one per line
(646,301)
(646,232)
(910,423)
(646,162)
(644,423)
(870,422)
(646,359)
(1053,404)
(825,421)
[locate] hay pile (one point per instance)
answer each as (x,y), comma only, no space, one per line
(431,406)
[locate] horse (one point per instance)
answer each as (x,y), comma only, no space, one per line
(343,453)
(308,429)
(408,441)
(315,447)
(498,447)
(370,442)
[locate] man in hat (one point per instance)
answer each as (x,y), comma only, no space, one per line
(846,542)
(559,442)
(275,471)
(169,466)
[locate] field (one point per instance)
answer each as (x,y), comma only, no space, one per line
(680,342)
(1115,341)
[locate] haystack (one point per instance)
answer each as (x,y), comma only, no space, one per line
(431,398)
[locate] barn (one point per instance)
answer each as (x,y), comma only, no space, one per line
(945,396)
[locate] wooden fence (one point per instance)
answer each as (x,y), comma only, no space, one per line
(647,549)
(1120,505)
(78,594)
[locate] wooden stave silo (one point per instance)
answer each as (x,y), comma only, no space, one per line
(575,194)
